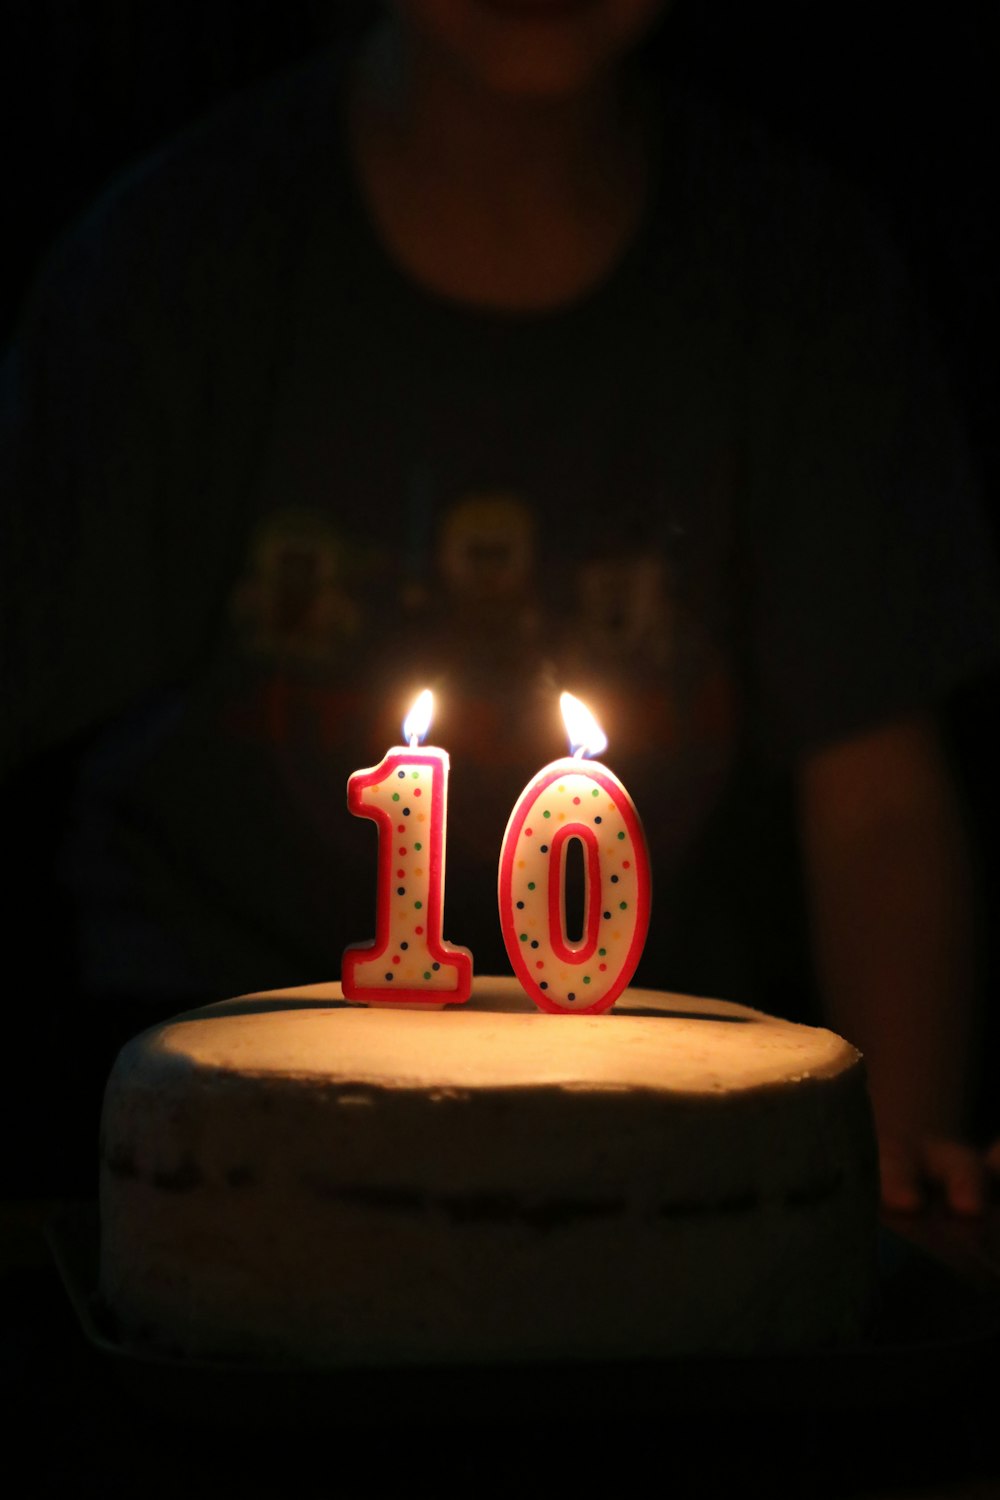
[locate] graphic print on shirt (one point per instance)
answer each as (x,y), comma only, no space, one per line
(337,632)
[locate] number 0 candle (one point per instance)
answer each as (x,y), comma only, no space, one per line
(575,799)
(406,795)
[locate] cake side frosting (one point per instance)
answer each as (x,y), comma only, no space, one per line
(287,1177)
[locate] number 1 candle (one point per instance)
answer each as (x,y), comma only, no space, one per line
(406,795)
(575,799)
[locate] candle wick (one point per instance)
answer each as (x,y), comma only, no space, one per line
(414,742)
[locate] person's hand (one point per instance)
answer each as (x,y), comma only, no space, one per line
(890,886)
(913,1167)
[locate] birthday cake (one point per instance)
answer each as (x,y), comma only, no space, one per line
(288,1178)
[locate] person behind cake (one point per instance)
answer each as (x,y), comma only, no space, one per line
(469,355)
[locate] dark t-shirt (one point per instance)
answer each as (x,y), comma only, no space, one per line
(266,487)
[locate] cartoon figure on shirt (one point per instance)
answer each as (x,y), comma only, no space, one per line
(485,558)
(625,610)
(292,603)
(481,623)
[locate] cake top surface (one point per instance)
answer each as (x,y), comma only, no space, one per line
(651,1040)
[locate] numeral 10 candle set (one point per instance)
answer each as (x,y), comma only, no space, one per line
(572,800)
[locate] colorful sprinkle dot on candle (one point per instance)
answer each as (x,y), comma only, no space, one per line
(524,937)
(427,973)
(614,880)
(576,802)
(406,812)
(404,946)
(400,827)
(421,817)
(562,788)
(418,847)
(623,906)
(586,978)
(546,814)
(543,984)
(602,967)
(607,916)
(402,850)
(395,796)
(603,952)
(622,834)
(531,885)
(528,833)
(435,966)
(544,848)
(596,792)
(598,819)
(415,775)
(389,975)
(419,931)
(626,864)
(417,792)
(534,942)
(401,890)
(520,906)
(418,904)
(401,873)
(540,963)
(400,774)
(396,958)
(571,995)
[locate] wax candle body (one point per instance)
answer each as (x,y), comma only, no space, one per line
(408,962)
(583,800)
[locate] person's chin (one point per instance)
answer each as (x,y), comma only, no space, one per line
(539,12)
(535,49)
(539,56)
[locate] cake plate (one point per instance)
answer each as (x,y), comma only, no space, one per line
(933,1330)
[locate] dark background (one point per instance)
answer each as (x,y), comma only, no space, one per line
(901,102)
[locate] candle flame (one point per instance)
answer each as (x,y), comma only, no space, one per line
(586,737)
(418,720)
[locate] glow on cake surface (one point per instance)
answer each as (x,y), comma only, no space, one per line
(651,1040)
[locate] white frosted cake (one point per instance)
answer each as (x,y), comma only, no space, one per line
(288,1178)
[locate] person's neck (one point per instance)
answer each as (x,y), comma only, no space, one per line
(514,204)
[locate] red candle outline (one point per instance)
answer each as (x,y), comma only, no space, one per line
(459,959)
(508,927)
(577,953)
